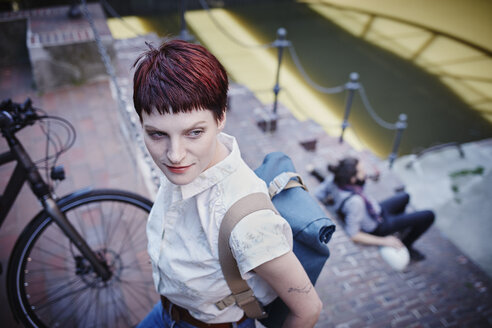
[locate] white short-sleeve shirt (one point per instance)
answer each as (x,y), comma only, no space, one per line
(183,230)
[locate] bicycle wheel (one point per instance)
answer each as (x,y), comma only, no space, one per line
(51,285)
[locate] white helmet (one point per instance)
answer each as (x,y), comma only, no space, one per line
(397,258)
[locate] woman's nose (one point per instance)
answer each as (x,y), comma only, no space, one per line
(175,152)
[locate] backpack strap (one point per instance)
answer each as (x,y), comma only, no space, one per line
(285,180)
(241,295)
(342,204)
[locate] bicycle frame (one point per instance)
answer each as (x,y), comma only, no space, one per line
(13,187)
(26,170)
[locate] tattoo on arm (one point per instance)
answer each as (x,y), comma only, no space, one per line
(304,290)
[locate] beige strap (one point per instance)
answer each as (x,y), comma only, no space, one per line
(285,180)
(242,295)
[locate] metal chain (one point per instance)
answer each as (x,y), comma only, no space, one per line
(306,77)
(126,110)
(372,112)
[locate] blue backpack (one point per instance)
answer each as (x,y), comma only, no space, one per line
(311,229)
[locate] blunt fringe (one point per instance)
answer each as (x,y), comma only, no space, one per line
(179,77)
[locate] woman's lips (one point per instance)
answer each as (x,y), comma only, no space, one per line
(178,169)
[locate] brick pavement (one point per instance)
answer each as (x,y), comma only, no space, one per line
(357,288)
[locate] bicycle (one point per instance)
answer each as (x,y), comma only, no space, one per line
(82,260)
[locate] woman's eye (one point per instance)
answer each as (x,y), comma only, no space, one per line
(155,134)
(195,133)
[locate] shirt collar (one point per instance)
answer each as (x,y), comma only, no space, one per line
(216,173)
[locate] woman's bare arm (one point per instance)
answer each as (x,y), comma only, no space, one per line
(287,277)
(368,239)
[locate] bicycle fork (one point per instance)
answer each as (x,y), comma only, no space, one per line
(26,170)
(53,210)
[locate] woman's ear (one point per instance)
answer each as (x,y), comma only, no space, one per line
(221,123)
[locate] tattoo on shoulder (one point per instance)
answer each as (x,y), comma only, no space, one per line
(304,290)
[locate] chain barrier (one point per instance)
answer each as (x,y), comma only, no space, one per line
(125,110)
(372,112)
(280,43)
(306,77)
(352,86)
(276,44)
(224,31)
(113,13)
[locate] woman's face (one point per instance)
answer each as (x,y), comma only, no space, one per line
(183,145)
(360,175)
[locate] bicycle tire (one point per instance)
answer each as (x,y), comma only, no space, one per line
(51,285)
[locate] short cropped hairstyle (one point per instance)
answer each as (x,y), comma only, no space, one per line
(179,77)
(344,171)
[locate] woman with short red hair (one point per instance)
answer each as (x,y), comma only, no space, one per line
(180,95)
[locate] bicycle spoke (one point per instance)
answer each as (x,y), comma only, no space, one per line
(52,297)
(51,302)
(49,282)
(136,291)
(106,313)
(55,241)
(125,239)
(54,227)
(118,302)
(96,309)
(142,238)
(63,310)
(92,219)
(49,294)
(80,221)
(42,250)
(89,302)
(112,232)
(50,265)
(132,219)
(115,302)
(108,225)
(125,244)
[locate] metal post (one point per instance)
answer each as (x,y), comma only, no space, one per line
(280,43)
(74,11)
(400,126)
(352,85)
(183,33)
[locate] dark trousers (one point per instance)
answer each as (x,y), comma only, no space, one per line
(410,225)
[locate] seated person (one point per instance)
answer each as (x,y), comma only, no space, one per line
(366,221)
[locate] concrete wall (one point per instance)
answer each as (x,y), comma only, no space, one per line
(55,66)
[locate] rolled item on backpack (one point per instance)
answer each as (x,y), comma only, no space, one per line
(311,227)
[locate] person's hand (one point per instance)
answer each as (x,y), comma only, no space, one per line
(392,241)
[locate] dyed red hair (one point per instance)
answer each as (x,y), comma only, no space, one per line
(179,77)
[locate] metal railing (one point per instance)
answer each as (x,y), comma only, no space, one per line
(282,43)
(418,155)
(352,87)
